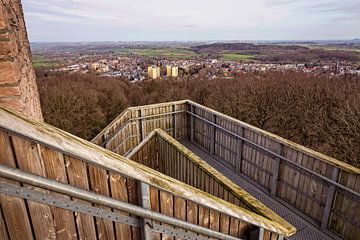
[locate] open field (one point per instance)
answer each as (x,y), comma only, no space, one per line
(41,61)
(176,53)
(236,57)
(332,47)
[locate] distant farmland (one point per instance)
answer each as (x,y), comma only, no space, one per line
(42,61)
(176,53)
(236,57)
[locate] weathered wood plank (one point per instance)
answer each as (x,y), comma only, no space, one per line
(28,160)
(14,209)
(3,231)
(133,193)
(155,206)
(214,220)
(99,184)
(179,209)
(234,227)
(119,191)
(166,207)
(55,169)
(78,177)
(224,224)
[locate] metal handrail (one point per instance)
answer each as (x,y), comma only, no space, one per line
(250,143)
(53,138)
(278,156)
(42,182)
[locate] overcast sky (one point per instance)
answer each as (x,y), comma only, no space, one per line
(150,20)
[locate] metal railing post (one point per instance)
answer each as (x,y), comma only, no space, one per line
(212,135)
(261,234)
(329,199)
(275,170)
(191,124)
(141,125)
(144,192)
(239,150)
(174,123)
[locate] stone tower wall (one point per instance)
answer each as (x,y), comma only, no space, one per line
(18,88)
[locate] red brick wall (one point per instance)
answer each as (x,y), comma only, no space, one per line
(18,89)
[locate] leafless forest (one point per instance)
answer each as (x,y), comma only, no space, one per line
(322,112)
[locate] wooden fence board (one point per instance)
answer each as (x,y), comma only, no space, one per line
(14,209)
(30,161)
(78,177)
(55,169)
(119,191)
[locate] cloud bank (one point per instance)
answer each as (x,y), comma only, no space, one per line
(126,20)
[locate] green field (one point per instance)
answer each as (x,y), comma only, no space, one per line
(160,52)
(41,61)
(236,57)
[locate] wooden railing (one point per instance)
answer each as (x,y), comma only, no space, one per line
(55,185)
(135,123)
(163,153)
(323,189)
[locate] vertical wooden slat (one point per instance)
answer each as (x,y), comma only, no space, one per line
(118,188)
(212,134)
(166,207)
(78,177)
(329,199)
(239,150)
(14,209)
(192,212)
(192,124)
(99,184)
(275,168)
(154,204)
(141,125)
(180,209)
(28,159)
(214,220)
(224,224)
(133,194)
(55,169)
(3,231)
(234,227)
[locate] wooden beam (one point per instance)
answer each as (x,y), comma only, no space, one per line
(329,199)
(275,169)
(174,122)
(212,135)
(191,124)
(239,149)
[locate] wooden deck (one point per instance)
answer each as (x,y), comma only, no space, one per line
(305,229)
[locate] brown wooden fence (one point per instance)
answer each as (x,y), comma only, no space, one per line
(98,194)
(163,153)
(322,188)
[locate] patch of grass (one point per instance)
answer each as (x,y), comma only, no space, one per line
(158,52)
(329,47)
(41,61)
(236,57)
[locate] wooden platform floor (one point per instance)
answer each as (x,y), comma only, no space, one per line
(305,229)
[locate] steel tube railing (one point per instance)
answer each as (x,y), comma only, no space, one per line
(245,140)
(52,185)
(278,156)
